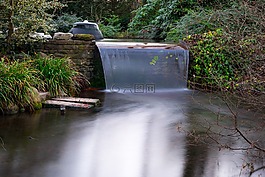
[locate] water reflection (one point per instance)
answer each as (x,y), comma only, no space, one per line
(130,136)
(136,142)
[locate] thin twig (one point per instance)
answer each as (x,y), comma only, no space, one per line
(249,142)
(260,168)
(2,143)
(240,132)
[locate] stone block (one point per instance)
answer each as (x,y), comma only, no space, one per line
(62,36)
(49,46)
(52,51)
(60,55)
(83,37)
(80,52)
(68,47)
(65,51)
(79,42)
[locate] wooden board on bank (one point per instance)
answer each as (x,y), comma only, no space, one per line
(59,104)
(94,102)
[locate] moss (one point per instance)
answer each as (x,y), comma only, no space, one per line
(84,37)
(22,109)
(37,105)
(97,80)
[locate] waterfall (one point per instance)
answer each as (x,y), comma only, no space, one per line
(143,67)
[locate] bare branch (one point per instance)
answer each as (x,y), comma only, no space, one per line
(249,142)
(260,168)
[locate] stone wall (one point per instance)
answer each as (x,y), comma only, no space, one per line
(81,52)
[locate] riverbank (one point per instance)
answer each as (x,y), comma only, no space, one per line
(21,80)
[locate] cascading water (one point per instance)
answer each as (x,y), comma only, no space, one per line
(143,67)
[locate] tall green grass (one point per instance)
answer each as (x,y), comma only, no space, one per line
(59,75)
(20,79)
(17,82)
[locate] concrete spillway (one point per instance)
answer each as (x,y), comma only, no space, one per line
(143,67)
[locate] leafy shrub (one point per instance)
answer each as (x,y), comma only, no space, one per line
(240,19)
(154,18)
(59,75)
(108,30)
(143,16)
(231,53)
(243,18)
(195,22)
(110,26)
(65,22)
(212,65)
(20,18)
(221,61)
(19,80)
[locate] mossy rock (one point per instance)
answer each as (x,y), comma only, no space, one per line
(35,96)
(35,99)
(37,105)
(83,37)
(11,109)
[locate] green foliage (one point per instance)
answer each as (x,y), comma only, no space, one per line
(64,22)
(154,60)
(59,75)
(243,18)
(96,10)
(154,18)
(221,61)
(21,18)
(240,20)
(17,82)
(212,65)
(231,57)
(195,22)
(158,17)
(143,16)
(110,26)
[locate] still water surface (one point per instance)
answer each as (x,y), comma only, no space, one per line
(131,135)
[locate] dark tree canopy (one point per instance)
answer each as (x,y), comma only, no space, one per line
(95,10)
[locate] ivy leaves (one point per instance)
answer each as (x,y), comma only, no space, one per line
(213,64)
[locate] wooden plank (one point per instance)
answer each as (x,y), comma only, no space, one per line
(55,103)
(95,102)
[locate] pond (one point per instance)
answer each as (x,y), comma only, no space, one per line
(162,134)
